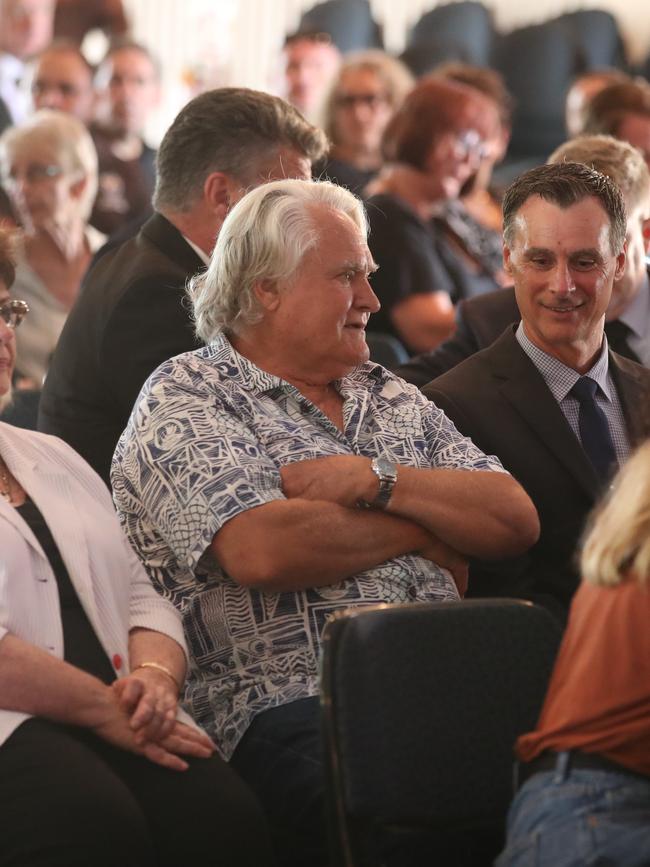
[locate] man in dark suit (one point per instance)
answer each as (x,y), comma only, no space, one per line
(549,398)
(131,314)
(480,320)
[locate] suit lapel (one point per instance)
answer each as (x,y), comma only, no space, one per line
(49,488)
(632,384)
(159,231)
(523,386)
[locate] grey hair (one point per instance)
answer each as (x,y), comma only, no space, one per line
(264,237)
(232,130)
(70,140)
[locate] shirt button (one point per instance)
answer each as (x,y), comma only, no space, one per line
(117,661)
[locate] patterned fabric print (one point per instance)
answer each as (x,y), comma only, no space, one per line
(204,444)
(561,379)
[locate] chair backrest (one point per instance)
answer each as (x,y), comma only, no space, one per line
(348,22)
(386,349)
(422,705)
(467,25)
(538,64)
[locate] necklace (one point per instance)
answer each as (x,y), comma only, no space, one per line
(5,482)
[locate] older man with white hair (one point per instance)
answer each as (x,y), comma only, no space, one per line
(244,475)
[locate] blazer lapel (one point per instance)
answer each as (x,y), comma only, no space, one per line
(523,386)
(170,241)
(50,490)
(633,385)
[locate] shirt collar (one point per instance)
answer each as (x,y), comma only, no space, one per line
(251,377)
(199,252)
(558,376)
(637,314)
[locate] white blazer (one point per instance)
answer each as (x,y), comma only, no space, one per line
(113,588)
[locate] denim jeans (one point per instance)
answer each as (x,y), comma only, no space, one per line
(578,818)
(281,759)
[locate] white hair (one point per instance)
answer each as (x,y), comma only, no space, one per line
(264,237)
(70,141)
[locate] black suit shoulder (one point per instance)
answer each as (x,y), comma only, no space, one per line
(131,316)
(479,322)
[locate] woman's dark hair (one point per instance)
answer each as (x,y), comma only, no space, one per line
(433,108)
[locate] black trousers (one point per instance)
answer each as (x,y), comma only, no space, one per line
(68,799)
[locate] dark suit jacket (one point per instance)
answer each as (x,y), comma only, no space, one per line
(479,321)
(131,315)
(500,400)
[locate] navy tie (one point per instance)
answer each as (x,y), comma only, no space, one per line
(594,431)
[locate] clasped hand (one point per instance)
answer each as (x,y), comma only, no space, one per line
(140,716)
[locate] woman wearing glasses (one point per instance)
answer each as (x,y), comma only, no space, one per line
(432,146)
(368,89)
(49,168)
(97,764)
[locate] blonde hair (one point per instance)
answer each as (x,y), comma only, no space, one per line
(70,142)
(617,544)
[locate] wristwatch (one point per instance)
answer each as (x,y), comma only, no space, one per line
(386,472)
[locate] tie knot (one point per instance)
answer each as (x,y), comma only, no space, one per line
(585,389)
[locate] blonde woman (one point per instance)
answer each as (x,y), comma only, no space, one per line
(585,797)
(48,165)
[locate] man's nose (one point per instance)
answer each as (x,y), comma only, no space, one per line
(563,282)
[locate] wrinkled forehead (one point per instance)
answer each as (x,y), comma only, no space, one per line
(542,223)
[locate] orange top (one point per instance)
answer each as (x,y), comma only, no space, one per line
(598,700)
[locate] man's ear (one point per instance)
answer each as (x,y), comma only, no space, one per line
(620,263)
(217,194)
(267,293)
(506,260)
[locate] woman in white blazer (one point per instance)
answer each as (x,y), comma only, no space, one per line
(98,765)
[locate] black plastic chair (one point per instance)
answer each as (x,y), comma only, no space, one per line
(538,64)
(596,37)
(386,349)
(23,410)
(466,25)
(422,705)
(348,22)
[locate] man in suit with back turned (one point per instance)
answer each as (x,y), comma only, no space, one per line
(481,320)
(549,398)
(131,314)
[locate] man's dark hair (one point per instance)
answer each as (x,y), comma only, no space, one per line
(566,184)
(232,130)
(607,109)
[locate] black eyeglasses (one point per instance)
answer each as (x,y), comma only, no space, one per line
(13,312)
(370,100)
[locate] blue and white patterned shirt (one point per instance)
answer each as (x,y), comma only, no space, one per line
(205,442)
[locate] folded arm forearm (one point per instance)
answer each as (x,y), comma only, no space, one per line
(291,544)
(479,513)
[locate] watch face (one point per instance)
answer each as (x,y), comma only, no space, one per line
(386,467)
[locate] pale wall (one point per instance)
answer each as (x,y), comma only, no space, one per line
(237,41)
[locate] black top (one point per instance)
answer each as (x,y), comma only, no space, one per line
(81,646)
(413,257)
(130,316)
(343,174)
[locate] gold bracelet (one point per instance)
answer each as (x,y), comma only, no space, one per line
(158,666)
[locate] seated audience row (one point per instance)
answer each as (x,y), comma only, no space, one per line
(277,431)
